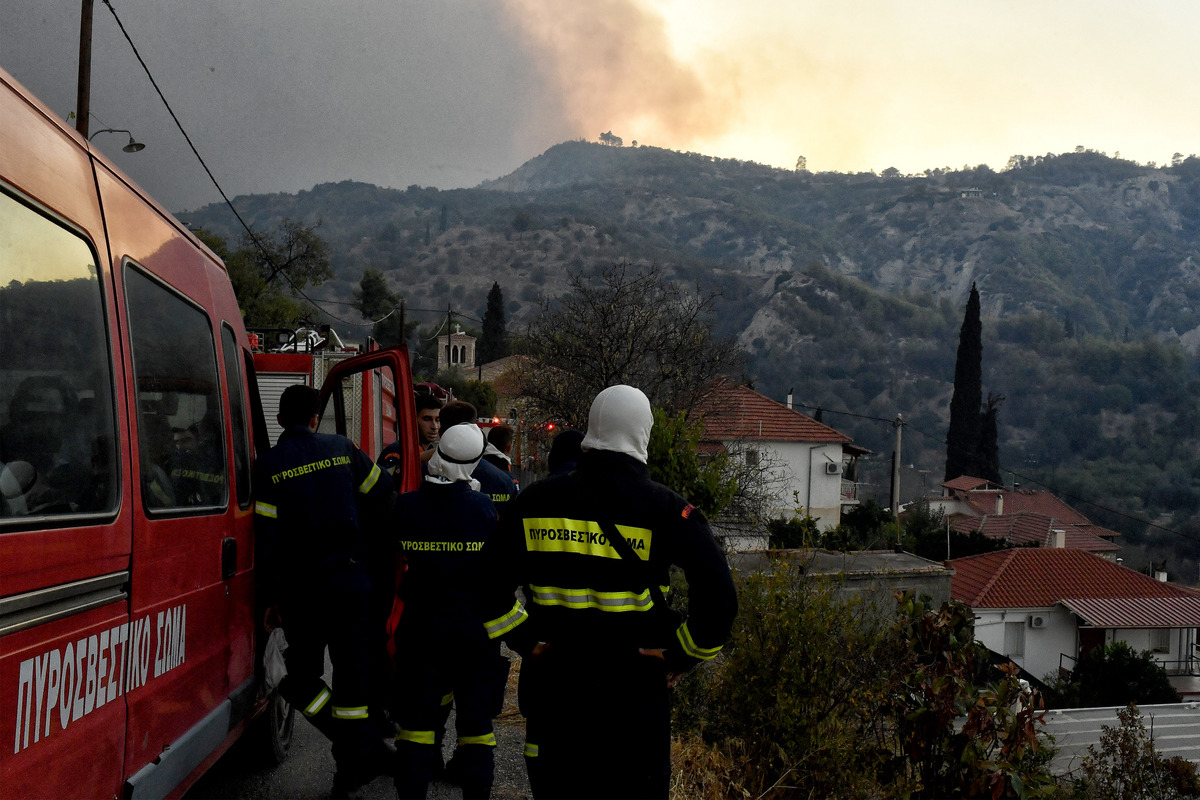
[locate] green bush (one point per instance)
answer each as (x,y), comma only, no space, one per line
(818,695)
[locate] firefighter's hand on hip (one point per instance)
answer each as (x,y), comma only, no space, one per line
(658,652)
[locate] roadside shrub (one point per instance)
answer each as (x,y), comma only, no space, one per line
(818,695)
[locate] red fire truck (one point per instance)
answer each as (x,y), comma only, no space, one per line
(130,415)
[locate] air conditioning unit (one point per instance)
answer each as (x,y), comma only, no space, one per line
(1037,622)
(833,469)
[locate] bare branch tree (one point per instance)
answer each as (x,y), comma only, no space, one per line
(630,326)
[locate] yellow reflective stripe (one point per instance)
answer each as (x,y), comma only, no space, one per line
(590,598)
(349,712)
(372,476)
(317,703)
(448,699)
(691,648)
(266,510)
(585,537)
(502,625)
(531,750)
(416,737)
(488,739)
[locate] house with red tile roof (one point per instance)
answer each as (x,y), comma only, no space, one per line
(807,461)
(1045,608)
(1021,517)
(1029,529)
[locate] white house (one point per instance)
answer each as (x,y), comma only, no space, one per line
(1045,608)
(808,462)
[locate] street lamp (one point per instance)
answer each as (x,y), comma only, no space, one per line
(132,147)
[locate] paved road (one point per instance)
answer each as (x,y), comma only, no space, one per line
(307,774)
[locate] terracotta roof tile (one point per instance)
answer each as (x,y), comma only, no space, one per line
(1037,577)
(732,412)
(1027,528)
(965,483)
(1137,612)
(1042,502)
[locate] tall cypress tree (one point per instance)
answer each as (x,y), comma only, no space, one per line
(493,342)
(963,436)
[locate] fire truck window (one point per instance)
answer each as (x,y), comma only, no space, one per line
(181,431)
(58,453)
(237,413)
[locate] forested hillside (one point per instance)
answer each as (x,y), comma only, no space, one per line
(849,289)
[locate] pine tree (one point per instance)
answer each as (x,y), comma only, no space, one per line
(493,342)
(963,435)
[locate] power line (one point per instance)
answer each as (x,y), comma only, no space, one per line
(253,237)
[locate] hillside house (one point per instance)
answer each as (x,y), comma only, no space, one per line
(1020,517)
(811,467)
(1045,608)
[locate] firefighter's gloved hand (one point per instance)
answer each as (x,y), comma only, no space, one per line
(673,674)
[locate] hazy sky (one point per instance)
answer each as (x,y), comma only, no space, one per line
(447,93)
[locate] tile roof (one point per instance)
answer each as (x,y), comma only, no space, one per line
(965,483)
(1137,612)
(1027,528)
(732,412)
(1033,577)
(1040,501)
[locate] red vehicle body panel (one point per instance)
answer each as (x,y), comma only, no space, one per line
(128,628)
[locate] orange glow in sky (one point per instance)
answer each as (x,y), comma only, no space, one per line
(860,85)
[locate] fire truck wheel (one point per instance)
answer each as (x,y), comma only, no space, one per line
(275,726)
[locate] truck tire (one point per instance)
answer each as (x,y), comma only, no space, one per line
(275,727)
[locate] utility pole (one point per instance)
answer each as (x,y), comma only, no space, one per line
(898,424)
(83,100)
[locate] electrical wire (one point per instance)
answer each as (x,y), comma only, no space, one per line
(253,237)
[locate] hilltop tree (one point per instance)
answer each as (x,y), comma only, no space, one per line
(632,327)
(963,436)
(493,342)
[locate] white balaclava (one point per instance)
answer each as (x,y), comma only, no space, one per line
(620,421)
(458,453)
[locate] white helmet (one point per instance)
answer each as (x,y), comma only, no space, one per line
(620,420)
(458,452)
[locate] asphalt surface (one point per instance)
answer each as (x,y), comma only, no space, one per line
(245,772)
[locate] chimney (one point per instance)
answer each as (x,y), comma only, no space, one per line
(999,504)
(1160,575)
(1060,538)
(789,399)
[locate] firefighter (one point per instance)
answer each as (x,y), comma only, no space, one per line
(600,646)
(442,648)
(320,502)
(497,484)
(428,406)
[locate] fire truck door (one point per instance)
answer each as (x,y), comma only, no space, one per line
(393,363)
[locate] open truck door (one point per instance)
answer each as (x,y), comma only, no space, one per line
(375,388)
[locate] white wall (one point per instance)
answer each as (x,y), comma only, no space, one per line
(801,479)
(1043,646)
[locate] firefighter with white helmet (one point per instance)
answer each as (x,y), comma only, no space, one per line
(600,645)
(441,646)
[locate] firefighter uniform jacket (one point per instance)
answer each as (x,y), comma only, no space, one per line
(316,494)
(580,592)
(443,652)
